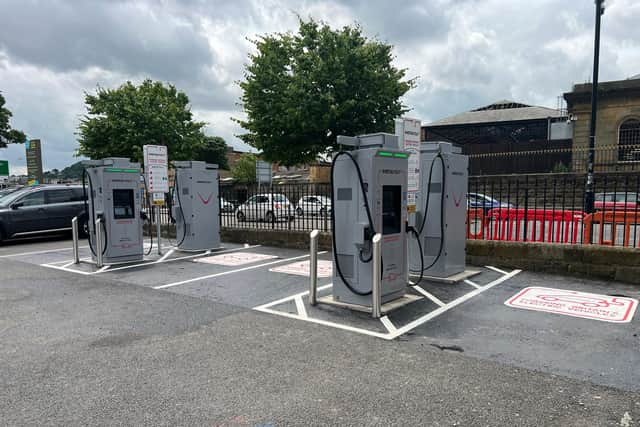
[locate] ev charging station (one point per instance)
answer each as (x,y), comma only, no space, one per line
(196,206)
(441,212)
(369,199)
(114,210)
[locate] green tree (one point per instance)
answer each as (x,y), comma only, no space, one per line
(303,90)
(214,151)
(8,135)
(120,121)
(245,168)
(72,172)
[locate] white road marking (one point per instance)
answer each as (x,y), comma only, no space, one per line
(167,255)
(302,310)
(44,251)
(497,270)
(469,282)
(432,297)
(124,267)
(104,268)
(224,273)
(388,324)
(437,312)
(393,331)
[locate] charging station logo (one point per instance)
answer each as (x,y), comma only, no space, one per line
(207,200)
(457,201)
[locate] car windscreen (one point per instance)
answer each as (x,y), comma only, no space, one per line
(280,198)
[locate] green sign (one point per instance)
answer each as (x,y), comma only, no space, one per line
(4,168)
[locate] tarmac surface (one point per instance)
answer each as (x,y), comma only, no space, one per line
(187,339)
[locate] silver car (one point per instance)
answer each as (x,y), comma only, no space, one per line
(314,205)
(265,207)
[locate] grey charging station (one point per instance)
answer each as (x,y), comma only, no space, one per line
(383,176)
(196,206)
(443,192)
(115,198)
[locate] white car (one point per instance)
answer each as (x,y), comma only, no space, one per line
(265,207)
(226,206)
(314,205)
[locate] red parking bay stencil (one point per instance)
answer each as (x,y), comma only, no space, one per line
(578,304)
(235,258)
(325,268)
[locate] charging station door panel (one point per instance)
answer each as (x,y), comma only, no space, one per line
(116,197)
(385,183)
(448,202)
(197,210)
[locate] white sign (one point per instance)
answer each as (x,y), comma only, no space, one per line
(408,131)
(325,268)
(577,304)
(156,168)
(157,199)
(263,172)
(235,258)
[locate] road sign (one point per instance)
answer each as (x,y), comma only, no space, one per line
(156,168)
(408,131)
(301,268)
(4,168)
(34,161)
(263,172)
(235,258)
(577,304)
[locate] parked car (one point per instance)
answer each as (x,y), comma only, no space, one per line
(7,191)
(314,205)
(265,207)
(41,209)
(226,206)
(618,201)
(481,201)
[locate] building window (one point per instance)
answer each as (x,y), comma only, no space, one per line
(629,141)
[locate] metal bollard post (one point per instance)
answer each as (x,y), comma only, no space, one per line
(99,242)
(159,230)
(376,306)
(313,267)
(74,233)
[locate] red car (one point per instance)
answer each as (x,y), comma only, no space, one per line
(618,201)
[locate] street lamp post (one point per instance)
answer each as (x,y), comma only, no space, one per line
(589,194)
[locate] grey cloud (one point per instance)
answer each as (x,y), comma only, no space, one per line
(74,35)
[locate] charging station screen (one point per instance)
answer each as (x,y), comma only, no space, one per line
(123,204)
(391,209)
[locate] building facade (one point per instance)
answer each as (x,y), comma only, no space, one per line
(617,125)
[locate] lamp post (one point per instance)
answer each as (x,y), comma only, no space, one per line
(589,194)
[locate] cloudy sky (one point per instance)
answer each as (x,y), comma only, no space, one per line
(467,53)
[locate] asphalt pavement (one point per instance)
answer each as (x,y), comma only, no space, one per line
(100,349)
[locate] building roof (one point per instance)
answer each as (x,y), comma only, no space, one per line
(500,111)
(617,88)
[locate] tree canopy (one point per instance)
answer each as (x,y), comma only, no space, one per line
(214,150)
(120,121)
(303,90)
(245,168)
(8,135)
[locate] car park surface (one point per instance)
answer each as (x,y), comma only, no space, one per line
(182,339)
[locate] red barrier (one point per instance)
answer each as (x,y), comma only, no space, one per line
(534,225)
(626,219)
(475,215)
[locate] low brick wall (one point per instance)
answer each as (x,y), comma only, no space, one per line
(602,262)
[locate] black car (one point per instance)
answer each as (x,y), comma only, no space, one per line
(41,209)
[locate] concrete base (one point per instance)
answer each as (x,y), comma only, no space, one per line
(451,279)
(385,308)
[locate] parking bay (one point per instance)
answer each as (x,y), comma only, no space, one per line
(480,326)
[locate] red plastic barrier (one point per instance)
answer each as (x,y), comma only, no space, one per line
(625,219)
(534,225)
(475,215)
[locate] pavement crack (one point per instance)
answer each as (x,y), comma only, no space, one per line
(456,348)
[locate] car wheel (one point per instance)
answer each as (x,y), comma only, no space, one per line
(240,216)
(299,211)
(270,217)
(323,212)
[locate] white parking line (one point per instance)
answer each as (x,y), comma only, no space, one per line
(393,331)
(302,310)
(497,270)
(44,251)
(470,283)
(224,273)
(428,295)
